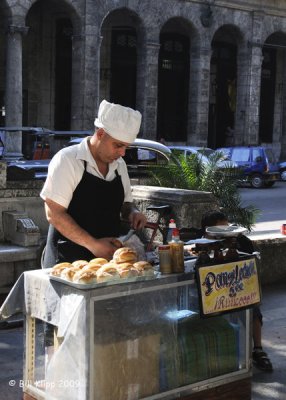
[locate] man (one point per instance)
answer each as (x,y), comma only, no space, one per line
(260,358)
(87,190)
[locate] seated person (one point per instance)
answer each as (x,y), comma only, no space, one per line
(260,358)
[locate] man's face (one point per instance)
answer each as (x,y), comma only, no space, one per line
(110,149)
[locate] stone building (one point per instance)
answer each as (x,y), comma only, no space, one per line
(201,72)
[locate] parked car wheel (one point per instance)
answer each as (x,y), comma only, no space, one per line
(283,175)
(256,181)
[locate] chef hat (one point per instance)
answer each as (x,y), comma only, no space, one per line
(122,123)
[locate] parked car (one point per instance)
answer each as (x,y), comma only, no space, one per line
(258,164)
(187,150)
(139,156)
(204,152)
(36,151)
(282,170)
(27,169)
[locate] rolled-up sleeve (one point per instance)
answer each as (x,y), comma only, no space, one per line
(61,180)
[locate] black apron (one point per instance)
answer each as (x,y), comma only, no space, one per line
(95,206)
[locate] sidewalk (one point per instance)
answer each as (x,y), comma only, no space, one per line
(265,386)
(267,230)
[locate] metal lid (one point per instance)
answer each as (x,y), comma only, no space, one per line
(164,247)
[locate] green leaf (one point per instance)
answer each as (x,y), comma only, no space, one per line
(193,174)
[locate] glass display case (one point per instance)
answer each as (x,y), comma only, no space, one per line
(129,341)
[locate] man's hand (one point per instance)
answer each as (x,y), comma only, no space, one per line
(104,247)
(137,220)
(130,213)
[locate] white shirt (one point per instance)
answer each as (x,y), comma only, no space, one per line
(66,170)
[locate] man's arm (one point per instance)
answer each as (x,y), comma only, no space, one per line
(130,212)
(57,216)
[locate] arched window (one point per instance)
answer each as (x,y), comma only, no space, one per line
(173,87)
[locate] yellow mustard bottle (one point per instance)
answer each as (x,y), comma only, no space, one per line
(177,252)
(165,259)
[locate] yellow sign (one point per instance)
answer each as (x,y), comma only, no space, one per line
(229,286)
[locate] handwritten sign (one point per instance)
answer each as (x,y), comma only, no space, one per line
(229,286)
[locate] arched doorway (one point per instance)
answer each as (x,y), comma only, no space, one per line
(271,93)
(173,87)
(63,73)
(47,65)
(118,57)
(223,83)
(123,66)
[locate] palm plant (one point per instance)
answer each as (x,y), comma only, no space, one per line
(193,174)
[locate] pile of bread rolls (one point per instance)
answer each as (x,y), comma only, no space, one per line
(124,264)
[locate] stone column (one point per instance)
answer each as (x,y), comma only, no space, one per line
(199,95)
(251,132)
(91,78)
(243,67)
(13,92)
(77,99)
(3,174)
(147,86)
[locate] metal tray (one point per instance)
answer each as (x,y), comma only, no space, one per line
(203,241)
(221,231)
(87,286)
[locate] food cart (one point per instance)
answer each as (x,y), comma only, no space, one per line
(155,338)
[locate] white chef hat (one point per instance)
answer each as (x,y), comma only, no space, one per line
(122,123)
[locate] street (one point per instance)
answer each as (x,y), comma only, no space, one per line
(271,202)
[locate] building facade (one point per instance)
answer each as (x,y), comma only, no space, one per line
(205,73)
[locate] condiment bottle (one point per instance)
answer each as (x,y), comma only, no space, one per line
(177,252)
(283,226)
(172,225)
(165,259)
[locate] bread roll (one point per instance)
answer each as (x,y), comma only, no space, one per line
(92,266)
(123,265)
(85,277)
(128,273)
(109,265)
(99,260)
(107,272)
(79,263)
(126,270)
(68,273)
(58,268)
(144,268)
(125,254)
